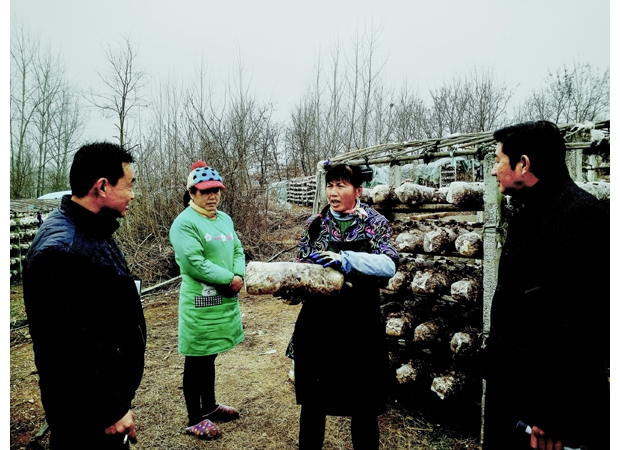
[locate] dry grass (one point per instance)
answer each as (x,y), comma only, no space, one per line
(253,377)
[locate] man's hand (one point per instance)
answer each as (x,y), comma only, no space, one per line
(327,259)
(127,425)
(539,441)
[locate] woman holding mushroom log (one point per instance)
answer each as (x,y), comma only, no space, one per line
(212,264)
(338,345)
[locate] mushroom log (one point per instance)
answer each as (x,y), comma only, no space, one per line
(291,279)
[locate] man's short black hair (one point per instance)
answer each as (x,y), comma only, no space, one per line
(94,161)
(541,141)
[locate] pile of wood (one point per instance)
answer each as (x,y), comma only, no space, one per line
(433,320)
(459,194)
(450,237)
(24,226)
(433,305)
(300,191)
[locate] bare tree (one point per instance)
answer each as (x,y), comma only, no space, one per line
(365,90)
(67,129)
(576,94)
(234,133)
(348,106)
(46,118)
(48,81)
(487,101)
(411,117)
(24,51)
(469,103)
(122,92)
(449,108)
(301,135)
(320,124)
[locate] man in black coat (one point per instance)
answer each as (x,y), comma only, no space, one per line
(83,307)
(547,354)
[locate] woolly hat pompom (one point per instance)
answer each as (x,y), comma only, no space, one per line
(199,163)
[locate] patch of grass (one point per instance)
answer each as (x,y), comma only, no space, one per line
(18,310)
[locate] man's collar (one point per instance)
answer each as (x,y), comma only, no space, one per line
(102,223)
(542,190)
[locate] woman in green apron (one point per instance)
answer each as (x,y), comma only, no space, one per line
(212,263)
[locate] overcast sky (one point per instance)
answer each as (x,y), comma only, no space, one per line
(423,42)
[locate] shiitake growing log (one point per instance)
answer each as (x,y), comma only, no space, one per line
(399,282)
(466,290)
(414,194)
(428,282)
(410,241)
(396,326)
(448,385)
(383,194)
(463,193)
(439,241)
(410,372)
(399,324)
(469,244)
(366,196)
(462,344)
(429,332)
(390,309)
(288,279)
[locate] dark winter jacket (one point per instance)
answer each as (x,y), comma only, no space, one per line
(339,344)
(548,349)
(85,319)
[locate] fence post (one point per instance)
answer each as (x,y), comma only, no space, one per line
(490,255)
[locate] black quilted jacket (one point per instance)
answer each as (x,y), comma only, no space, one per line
(85,319)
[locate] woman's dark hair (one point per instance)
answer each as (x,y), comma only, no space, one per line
(187,197)
(94,161)
(541,141)
(344,172)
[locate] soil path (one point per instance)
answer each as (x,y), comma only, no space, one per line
(253,377)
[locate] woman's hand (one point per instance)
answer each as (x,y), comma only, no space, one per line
(327,259)
(236,284)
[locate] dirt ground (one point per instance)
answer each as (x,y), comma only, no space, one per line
(253,377)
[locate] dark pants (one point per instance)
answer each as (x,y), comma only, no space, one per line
(199,387)
(364,429)
(503,410)
(77,439)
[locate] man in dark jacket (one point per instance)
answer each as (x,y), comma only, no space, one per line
(84,309)
(547,354)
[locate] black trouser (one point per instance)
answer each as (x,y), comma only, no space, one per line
(199,387)
(364,430)
(79,439)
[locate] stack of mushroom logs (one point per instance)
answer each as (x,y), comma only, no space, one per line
(433,305)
